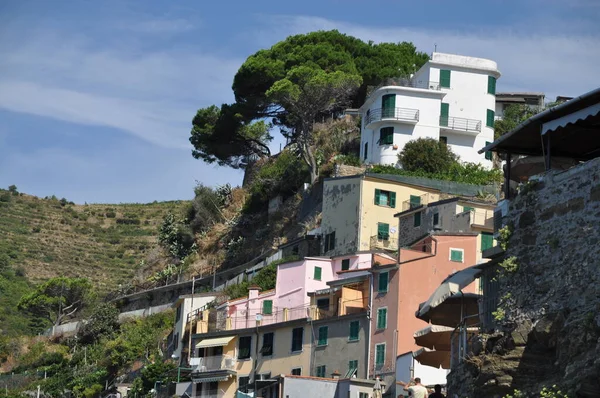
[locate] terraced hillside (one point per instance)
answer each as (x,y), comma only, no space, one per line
(51,237)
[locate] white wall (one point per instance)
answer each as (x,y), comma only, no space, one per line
(187,308)
(428,374)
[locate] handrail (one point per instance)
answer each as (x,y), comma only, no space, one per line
(378,114)
(459,123)
(405,82)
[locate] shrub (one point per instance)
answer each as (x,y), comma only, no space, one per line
(13,190)
(110,214)
(468,173)
(103,322)
(5,197)
(205,209)
(428,155)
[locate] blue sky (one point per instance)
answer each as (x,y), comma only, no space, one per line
(97,97)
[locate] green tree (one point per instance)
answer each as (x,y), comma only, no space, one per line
(513,115)
(427,154)
(176,237)
(103,322)
(157,373)
(58,299)
(13,190)
(205,209)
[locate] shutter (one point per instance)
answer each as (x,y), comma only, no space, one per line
(383,231)
(468,208)
(415,201)
(491,85)
(380,354)
(456,255)
(445,78)
(444,113)
(487,241)
(317,274)
(388,105)
(386,136)
(354,330)
(417,219)
(332,242)
(377,195)
(323,335)
(488,154)
(383,282)
(346,264)
(490,118)
(268,307)
(392,199)
(382,318)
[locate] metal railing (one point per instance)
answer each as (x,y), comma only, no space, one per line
(405,82)
(459,123)
(378,243)
(210,364)
(378,114)
(413,204)
(463,344)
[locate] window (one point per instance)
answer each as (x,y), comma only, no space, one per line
(456,255)
(244,347)
(317,274)
(444,114)
(385,198)
(354,327)
(323,304)
(295,250)
(489,121)
(379,355)
(445,78)
(352,368)
(436,219)
(487,240)
(297,338)
(363,395)
(178,314)
(382,318)
(491,85)
(267,307)
(382,286)
(366,150)
(488,154)
(323,331)
(444,140)
(321,371)
(468,208)
(329,241)
(243,383)
(297,371)
(386,136)
(383,231)
(176,341)
(345,264)
(415,201)
(388,105)
(267,347)
(417,219)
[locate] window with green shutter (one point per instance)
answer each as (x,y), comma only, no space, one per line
(267,307)
(321,371)
(383,231)
(345,264)
(456,255)
(487,240)
(297,339)
(267,348)
(382,286)
(445,78)
(379,355)
(386,136)
(468,208)
(444,114)
(417,219)
(245,343)
(317,274)
(415,201)
(488,154)
(354,327)
(491,85)
(352,368)
(385,198)
(388,105)
(489,121)
(382,318)
(323,331)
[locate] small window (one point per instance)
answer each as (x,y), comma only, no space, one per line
(456,255)
(385,198)
(354,328)
(445,78)
(297,339)
(468,208)
(243,383)
(352,367)
(323,303)
(297,372)
(489,121)
(487,240)
(323,331)
(379,355)
(295,250)
(345,264)
(383,282)
(178,314)
(488,154)
(267,307)
(363,395)
(245,345)
(417,219)
(491,85)
(444,114)
(383,231)
(444,140)
(366,151)
(386,136)
(330,241)
(436,219)
(267,347)
(321,371)
(317,273)
(176,341)
(382,318)
(415,201)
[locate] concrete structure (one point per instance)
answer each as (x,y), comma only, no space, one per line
(407,368)
(451,98)
(504,100)
(288,386)
(448,215)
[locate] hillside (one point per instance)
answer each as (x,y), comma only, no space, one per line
(44,238)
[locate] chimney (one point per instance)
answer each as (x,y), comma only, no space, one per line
(335,374)
(253,291)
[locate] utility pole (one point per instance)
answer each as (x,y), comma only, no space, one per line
(191,322)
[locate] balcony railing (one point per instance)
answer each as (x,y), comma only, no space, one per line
(460,124)
(399,114)
(405,82)
(413,203)
(389,243)
(211,364)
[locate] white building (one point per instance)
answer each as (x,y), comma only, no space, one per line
(185,307)
(532,100)
(451,98)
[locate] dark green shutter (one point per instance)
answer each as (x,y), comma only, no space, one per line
(444,113)
(388,105)
(386,136)
(490,118)
(383,231)
(317,274)
(346,264)
(377,195)
(456,255)
(468,208)
(445,78)
(491,85)
(380,354)
(392,199)
(488,154)
(323,331)
(417,219)
(267,307)
(415,201)
(354,326)
(382,318)
(383,282)
(487,240)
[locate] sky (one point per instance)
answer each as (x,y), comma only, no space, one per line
(97,97)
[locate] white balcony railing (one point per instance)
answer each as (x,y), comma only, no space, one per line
(213,363)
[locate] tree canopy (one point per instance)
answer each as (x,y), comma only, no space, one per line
(428,155)
(290,85)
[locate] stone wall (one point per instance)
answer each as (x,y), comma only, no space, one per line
(551,327)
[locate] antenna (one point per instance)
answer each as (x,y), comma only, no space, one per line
(434,47)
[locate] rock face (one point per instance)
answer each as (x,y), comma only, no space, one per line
(551,333)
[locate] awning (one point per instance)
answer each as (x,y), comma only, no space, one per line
(455,309)
(532,165)
(436,359)
(451,285)
(209,379)
(217,342)
(436,337)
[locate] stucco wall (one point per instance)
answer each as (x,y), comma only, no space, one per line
(341,203)
(283,360)
(302,388)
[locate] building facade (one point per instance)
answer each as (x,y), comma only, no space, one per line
(504,100)
(451,98)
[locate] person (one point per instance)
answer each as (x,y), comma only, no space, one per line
(438,392)
(418,390)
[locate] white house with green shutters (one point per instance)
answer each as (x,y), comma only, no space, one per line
(451,99)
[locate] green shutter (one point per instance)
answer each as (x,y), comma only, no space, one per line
(377,195)
(346,264)
(415,201)
(354,326)
(383,231)
(379,354)
(352,365)
(388,105)
(392,199)
(487,240)
(386,136)
(490,118)
(468,208)
(267,307)
(317,275)
(488,154)
(323,331)
(383,282)
(444,113)
(417,219)
(321,371)
(445,78)
(456,255)
(382,318)
(491,85)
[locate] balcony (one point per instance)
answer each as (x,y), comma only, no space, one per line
(460,125)
(213,364)
(415,202)
(389,244)
(482,219)
(376,117)
(405,82)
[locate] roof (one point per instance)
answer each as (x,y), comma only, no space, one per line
(444,201)
(575,127)
(519,94)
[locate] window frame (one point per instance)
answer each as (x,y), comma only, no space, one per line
(294,340)
(436,218)
(240,385)
(491,88)
(390,198)
(318,273)
(379,365)
(270,309)
(321,371)
(322,340)
(387,282)
(381,235)
(490,118)
(345,264)
(379,312)
(270,353)
(240,355)
(350,337)
(489,235)
(457,250)
(299,369)
(417,219)
(444,78)
(386,136)
(488,154)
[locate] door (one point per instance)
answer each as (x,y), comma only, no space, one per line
(388,105)
(444,112)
